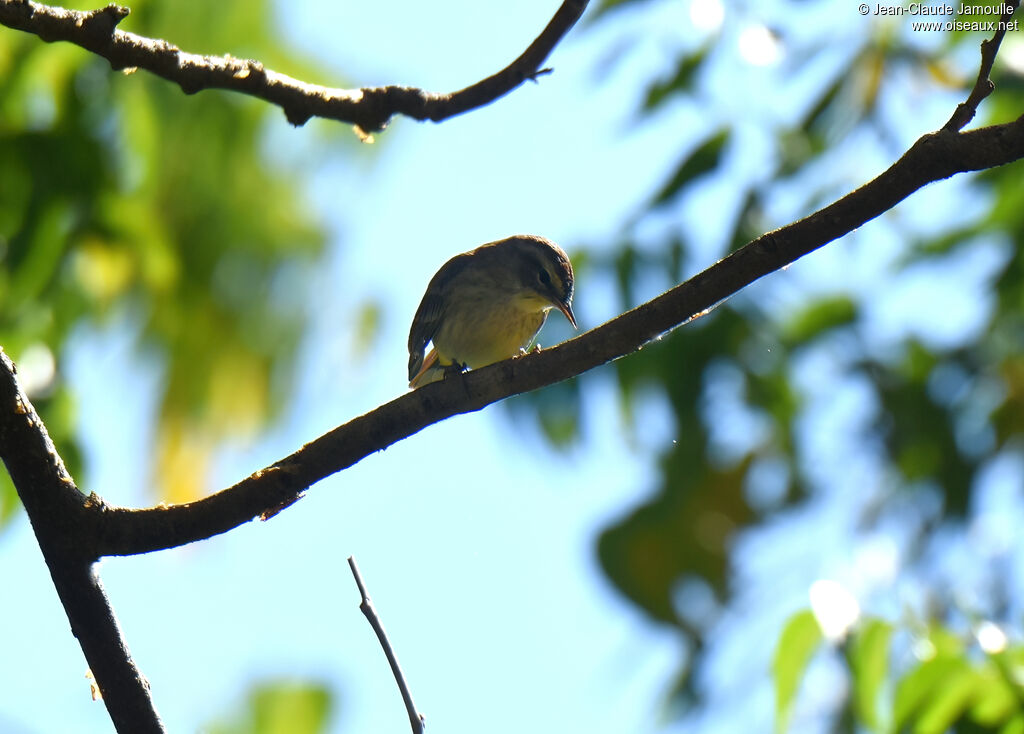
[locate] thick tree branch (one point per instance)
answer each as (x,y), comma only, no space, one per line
(56,510)
(122,531)
(369,108)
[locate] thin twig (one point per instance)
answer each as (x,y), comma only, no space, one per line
(983,86)
(416,719)
(369,108)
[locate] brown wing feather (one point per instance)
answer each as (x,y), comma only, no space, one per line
(431,311)
(428,363)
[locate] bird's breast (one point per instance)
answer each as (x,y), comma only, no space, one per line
(485,333)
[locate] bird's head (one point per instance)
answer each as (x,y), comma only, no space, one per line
(544,276)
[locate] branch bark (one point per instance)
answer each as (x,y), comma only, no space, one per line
(416,719)
(369,108)
(57,511)
(983,86)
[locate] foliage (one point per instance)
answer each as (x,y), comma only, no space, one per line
(943,681)
(120,200)
(280,707)
(936,412)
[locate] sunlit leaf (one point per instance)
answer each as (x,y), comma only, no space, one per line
(285,707)
(1014,725)
(996,702)
(797,644)
(869,663)
(943,667)
(948,701)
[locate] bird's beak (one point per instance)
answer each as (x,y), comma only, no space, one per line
(567,310)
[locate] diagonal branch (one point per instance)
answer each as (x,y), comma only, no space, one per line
(369,108)
(122,531)
(56,510)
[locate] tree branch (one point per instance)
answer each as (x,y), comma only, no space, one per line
(122,531)
(369,108)
(983,86)
(57,511)
(416,720)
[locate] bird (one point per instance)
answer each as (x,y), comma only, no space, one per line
(487,305)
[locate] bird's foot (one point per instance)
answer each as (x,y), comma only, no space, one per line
(453,369)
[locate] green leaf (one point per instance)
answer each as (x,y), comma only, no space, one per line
(680,82)
(8,499)
(1014,725)
(280,707)
(610,5)
(869,662)
(799,641)
(113,200)
(996,702)
(948,701)
(819,317)
(706,158)
(917,691)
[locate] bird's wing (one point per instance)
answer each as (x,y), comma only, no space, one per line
(430,313)
(420,378)
(424,326)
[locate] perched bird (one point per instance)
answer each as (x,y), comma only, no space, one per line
(487,305)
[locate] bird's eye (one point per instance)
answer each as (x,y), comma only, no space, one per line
(544,277)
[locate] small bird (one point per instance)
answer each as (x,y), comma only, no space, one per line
(487,305)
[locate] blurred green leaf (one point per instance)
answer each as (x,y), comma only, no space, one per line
(607,6)
(816,318)
(8,500)
(120,196)
(686,530)
(368,317)
(919,432)
(947,702)
(942,668)
(284,707)
(679,83)
(1014,725)
(704,159)
(869,663)
(996,702)
(797,644)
